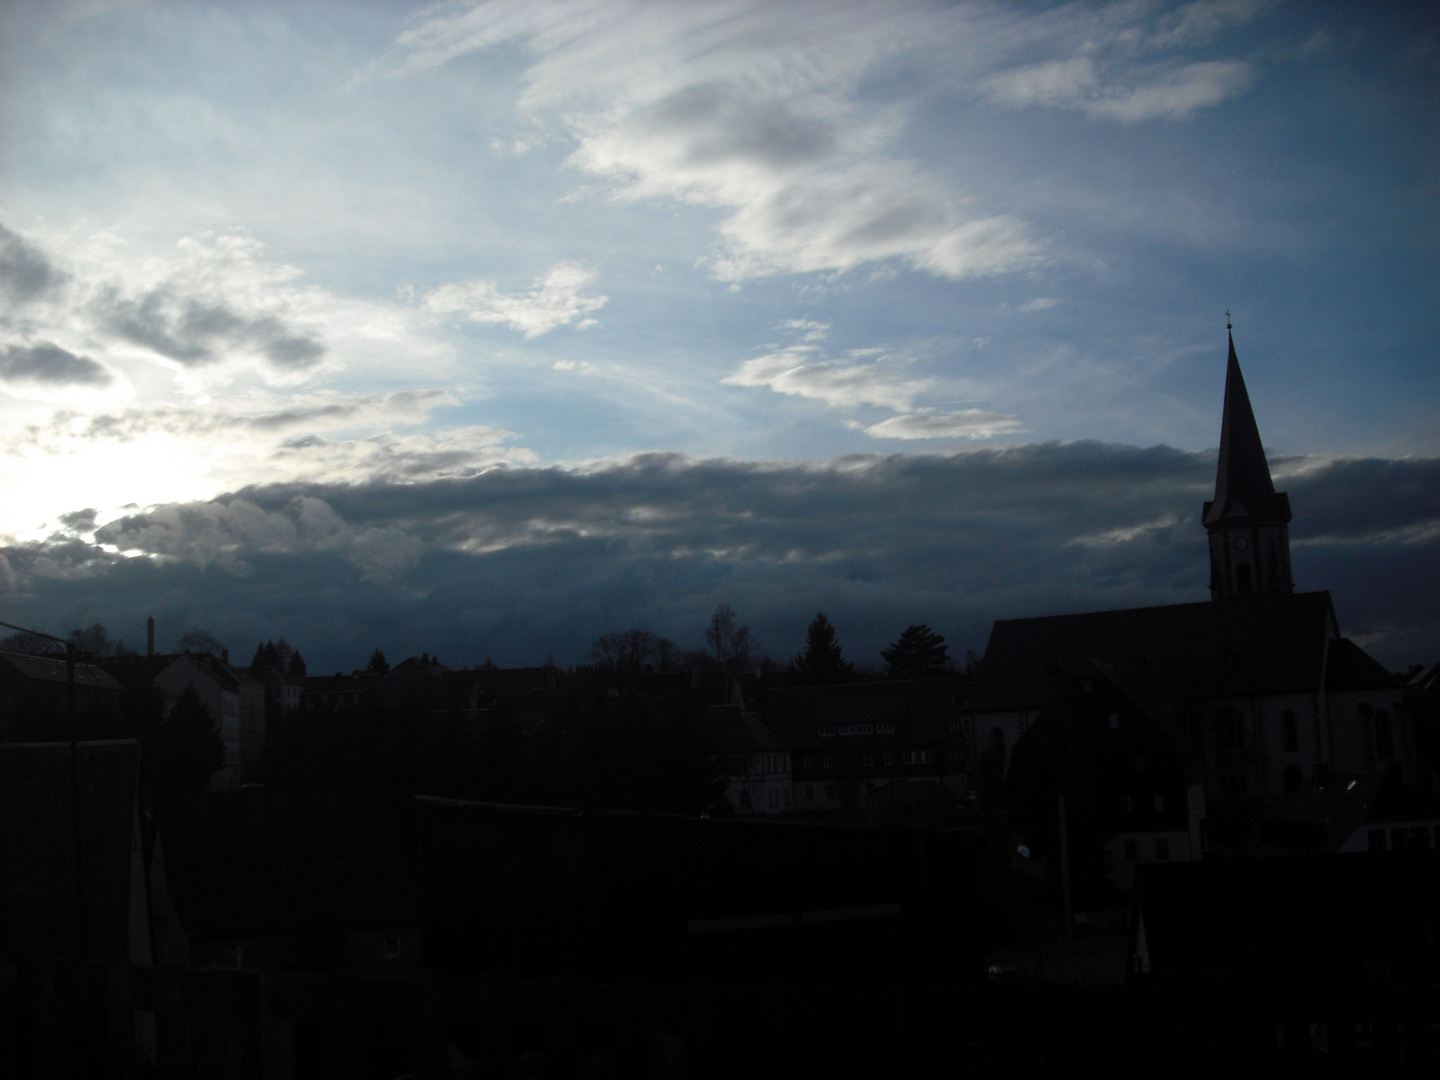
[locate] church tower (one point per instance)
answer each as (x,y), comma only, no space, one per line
(1248,520)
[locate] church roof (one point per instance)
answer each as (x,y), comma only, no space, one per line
(1243,487)
(1238,647)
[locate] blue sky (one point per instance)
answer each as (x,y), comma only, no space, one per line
(308,247)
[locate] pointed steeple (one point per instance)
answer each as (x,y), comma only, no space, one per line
(1243,487)
(1248,521)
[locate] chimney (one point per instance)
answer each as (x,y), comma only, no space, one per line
(150,636)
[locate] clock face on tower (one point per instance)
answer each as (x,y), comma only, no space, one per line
(1241,543)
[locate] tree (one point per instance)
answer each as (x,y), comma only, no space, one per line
(919,653)
(200,639)
(822,661)
(29,644)
(377,664)
(296,668)
(274,654)
(95,641)
(624,652)
(179,750)
(729,642)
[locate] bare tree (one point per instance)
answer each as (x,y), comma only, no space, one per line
(624,652)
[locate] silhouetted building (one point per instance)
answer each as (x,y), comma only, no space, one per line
(272,879)
(235,699)
(1131,792)
(753,761)
(850,743)
(37,852)
(1264,682)
(34,695)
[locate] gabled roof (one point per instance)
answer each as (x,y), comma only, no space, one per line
(137,671)
(55,669)
(734,731)
(263,862)
(1243,488)
(37,852)
(1241,646)
(920,709)
(1349,667)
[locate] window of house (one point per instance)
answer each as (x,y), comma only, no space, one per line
(392,947)
(1384,736)
(889,758)
(1114,721)
(869,760)
(809,793)
(744,800)
(1129,804)
(1229,730)
(1130,851)
(1159,803)
(1377,839)
(1162,850)
(829,762)
(809,762)
(826,730)
(1289,731)
(885,727)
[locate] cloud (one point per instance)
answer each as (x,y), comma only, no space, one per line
(962,424)
(1167,94)
(867,377)
(194,331)
(25,272)
(1040,303)
(520,562)
(225,533)
(751,109)
(49,364)
(796,371)
(554,301)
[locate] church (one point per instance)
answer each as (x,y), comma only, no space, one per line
(1257,682)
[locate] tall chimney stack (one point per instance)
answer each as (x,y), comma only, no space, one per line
(150,636)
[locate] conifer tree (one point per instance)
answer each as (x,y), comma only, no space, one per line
(822,661)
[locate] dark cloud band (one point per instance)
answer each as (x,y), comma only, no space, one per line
(521,563)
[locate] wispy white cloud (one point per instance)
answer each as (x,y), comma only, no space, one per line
(751,109)
(937,424)
(553,301)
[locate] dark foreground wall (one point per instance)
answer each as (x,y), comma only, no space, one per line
(534,892)
(88,1019)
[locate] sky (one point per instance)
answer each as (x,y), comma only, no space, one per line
(483,329)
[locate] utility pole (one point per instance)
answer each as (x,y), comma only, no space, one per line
(70,651)
(1065,873)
